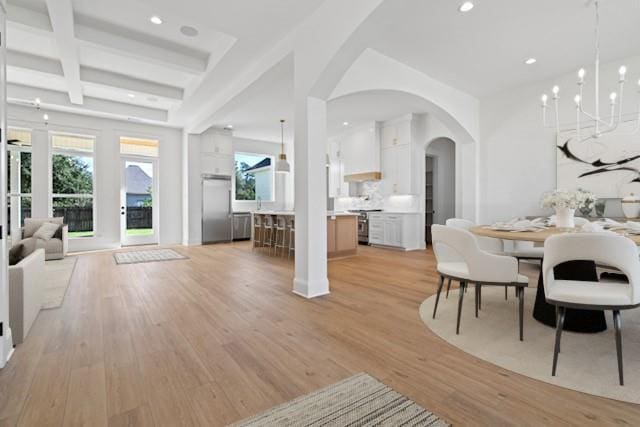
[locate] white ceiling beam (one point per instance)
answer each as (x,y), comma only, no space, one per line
(32,62)
(58,101)
(28,18)
(40,64)
(61,16)
(206,115)
(115,80)
(111,38)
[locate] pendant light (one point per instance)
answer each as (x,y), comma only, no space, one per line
(282,165)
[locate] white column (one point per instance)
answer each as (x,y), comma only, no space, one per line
(6,343)
(310,197)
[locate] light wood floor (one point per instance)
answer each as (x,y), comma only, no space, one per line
(220,336)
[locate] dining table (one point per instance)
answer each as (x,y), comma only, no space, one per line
(576,320)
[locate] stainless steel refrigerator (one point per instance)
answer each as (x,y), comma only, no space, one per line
(217,215)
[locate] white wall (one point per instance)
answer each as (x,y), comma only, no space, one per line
(107,170)
(444,190)
(283,182)
(517,155)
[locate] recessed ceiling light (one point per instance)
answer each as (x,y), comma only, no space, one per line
(156,20)
(530,61)
(130,95)
(45,117)
(345,123)
(189,31)
(465,7)
(230,126)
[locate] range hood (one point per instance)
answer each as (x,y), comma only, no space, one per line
(362,177)
(356,182)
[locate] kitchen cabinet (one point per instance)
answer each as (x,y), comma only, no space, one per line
(337,186)
(397,170)
(360,150)
(342,236)
(220,144)
(216,165)
(394,134)
(398,230)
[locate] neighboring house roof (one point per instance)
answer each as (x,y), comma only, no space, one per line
(261,164)
(138,182)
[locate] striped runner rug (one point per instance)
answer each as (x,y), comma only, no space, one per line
(357,401)
(152,255)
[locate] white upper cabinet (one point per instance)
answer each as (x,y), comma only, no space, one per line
(360,150)
(394,134)
(217,143)
(217,153)
(216,165)
(337,186)
(396,161)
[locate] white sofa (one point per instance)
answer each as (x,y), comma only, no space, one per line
(26,293)
(54,248)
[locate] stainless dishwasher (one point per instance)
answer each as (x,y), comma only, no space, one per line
(241,226)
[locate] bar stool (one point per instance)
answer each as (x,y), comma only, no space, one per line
(280,234)
(292,236)
(258,233)
(267,230)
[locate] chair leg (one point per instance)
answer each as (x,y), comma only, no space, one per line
(477,297)
(506,294)
(521,311)
(556,350)
(435,307)
(448,287)
(463,289)
(617,323)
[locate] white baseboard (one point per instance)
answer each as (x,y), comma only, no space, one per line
(301,288)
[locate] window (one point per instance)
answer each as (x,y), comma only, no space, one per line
(253,177)
(72,179)
(19,177)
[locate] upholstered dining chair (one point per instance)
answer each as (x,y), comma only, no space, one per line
(488,244)
(605,248)
(459,257)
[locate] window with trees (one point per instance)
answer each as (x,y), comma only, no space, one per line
(18,177)
(72,182)
(254,177)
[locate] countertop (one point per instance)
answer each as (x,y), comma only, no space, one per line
(329,213)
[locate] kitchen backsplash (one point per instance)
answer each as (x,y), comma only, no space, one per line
(373,199)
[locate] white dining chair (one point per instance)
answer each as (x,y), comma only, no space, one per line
(488,244)
(605,248)
(459,257)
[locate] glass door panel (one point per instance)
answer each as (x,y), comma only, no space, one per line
(138,208)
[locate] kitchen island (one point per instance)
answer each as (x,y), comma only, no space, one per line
(342,231)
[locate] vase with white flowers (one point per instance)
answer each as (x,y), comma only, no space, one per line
(565,203)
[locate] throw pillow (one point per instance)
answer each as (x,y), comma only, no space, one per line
(46,231)
(15,254)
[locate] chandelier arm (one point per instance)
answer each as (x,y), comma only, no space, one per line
(592,117)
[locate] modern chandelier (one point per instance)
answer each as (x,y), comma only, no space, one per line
(598,124)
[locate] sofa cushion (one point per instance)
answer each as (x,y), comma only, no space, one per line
(31,225)
(46,231)
(28,246)
(15,254)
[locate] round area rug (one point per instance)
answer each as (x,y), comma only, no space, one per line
(587,362)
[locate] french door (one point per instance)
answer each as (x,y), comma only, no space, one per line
(139,213)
